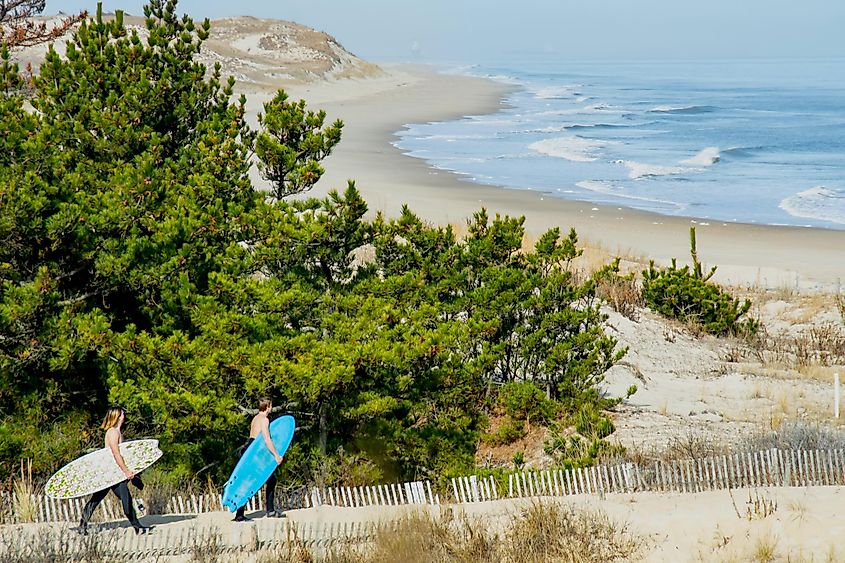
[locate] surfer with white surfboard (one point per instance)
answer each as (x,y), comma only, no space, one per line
(260,425)
(112,424)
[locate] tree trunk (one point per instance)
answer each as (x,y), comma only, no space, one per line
(323,429)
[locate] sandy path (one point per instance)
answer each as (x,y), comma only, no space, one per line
(795,523)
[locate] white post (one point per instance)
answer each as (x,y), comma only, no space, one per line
(836,395)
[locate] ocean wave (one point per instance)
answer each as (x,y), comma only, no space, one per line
(683,109)
(608,188)
(549,129)
(504,79)
(583,110)
(476,71)
(705,157)
(820,202)
(742,152)
(574,148)
(597,126)
(557,92)
(642,170)
(515,156)
(450,138)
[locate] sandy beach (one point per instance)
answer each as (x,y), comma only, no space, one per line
(374,109)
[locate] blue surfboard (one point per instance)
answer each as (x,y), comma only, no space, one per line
(257,464)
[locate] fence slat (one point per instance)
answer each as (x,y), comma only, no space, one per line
(830,475)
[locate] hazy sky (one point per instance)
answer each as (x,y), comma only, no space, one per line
(485,31)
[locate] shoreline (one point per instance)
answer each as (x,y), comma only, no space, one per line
(375,110)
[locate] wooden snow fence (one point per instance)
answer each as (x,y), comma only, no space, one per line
(774,467)
(46,509)
(768,468)
(395,494)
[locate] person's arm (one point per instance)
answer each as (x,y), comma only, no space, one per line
(265,431)
(113,442)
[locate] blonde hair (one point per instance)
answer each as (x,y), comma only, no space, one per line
(112,416)
(264,403)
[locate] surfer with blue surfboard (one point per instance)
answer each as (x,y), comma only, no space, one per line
(112,424)
(255,467)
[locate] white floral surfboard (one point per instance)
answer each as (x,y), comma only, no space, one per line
(98,470)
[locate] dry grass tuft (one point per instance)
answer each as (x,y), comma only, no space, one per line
(550,532)
(795,435)
(692,445)
(23,495)
(423,539)
(757,507)
(52,546)
(539,533)
(622,294)
(840,304)
(207,546)
(765,550)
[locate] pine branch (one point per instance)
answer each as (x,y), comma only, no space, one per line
(17,29)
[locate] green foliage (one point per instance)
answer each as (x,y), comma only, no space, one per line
(525,401)
(292,145)
(120,199)
(573,450)
(688,295)
(47,448)
(590,421)
(587,443)
(509,431)
(140,266)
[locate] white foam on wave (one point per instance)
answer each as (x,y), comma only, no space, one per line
(820,202)
(706,157)
(584,110)
(451,138)
(608,188)
(554,92)
(574,148)
(642,170)
(681,109)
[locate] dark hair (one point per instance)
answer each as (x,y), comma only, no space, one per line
(264,403)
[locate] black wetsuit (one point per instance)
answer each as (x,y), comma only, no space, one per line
(121,490)
(269,491)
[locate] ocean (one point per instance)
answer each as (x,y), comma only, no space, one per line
(749,141)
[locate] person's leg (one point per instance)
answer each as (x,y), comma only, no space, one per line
(139,503)
(88,510)
(270,494)
(239,514)
(122,492)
